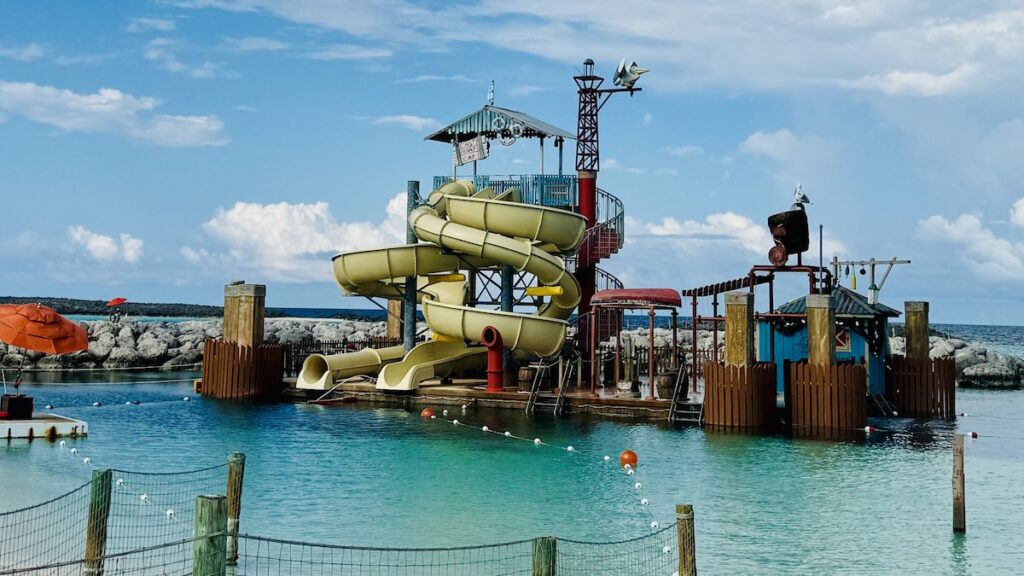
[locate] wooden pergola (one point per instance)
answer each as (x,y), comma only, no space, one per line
(650,299)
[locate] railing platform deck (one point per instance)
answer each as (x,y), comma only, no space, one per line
(471,391)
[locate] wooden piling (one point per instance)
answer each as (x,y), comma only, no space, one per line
(687,544)
(236,472)
(545,554)
(99,512)
(739,328)
(916,329)
(394,324)
(209,549)
(821,329)
(959,497)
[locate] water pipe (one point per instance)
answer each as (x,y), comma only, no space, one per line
(495,359)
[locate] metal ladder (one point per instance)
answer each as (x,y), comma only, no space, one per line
(558,405)
(884,406)
(687,412)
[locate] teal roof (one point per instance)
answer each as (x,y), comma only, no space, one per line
(482,123)
(849,304)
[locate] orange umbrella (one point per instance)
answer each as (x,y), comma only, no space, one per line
(116,302)
(36,327)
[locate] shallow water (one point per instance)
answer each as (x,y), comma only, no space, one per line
(764,505)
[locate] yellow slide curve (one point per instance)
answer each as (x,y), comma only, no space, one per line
(459,229)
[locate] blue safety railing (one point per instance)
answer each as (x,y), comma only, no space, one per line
(539,189)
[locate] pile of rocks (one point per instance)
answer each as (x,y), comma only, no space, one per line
(976,365)
(175,345)
(179,345)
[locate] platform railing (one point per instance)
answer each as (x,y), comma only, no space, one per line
(539,189)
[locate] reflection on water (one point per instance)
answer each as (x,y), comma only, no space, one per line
(360,474)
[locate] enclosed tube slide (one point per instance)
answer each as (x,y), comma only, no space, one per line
(460,230)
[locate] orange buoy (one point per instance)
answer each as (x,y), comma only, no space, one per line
(628,457)
(427,413)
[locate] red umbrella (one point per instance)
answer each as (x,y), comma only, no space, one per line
(116,302)
(37,327)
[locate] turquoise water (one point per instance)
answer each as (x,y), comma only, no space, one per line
(765,505)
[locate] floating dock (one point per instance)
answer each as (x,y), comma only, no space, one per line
(41,425)
(472,391)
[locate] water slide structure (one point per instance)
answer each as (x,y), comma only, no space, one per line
(459,229)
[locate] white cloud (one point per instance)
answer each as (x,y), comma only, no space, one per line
(147,24)
(164,51)
(255,44)
(684,150)
(648,118)
(890,47)
(409,121)
(992,259)
(105,248)
(131,248)
(24,53)
(720,227)
(795,158)
(349,52)
(916,83)
(109,111)
(1017,213)
(291,242)
(779,144)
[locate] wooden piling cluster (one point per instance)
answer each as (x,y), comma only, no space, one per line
(238,372)
(826,401)
(922,387)
(739,396)
(240,366)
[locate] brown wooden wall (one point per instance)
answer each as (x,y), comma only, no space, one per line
(922,388)
(242,372)
(827,401)
(739,396)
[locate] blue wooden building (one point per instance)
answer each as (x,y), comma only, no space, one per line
(861,329)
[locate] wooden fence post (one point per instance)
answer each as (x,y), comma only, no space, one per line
(99,511)
(545,555)
(236,472)
(959,501)
(209,549)
(684,531)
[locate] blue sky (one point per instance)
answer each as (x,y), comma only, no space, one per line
(156,150)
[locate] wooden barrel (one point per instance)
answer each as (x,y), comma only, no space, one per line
(666,382)
(526,375)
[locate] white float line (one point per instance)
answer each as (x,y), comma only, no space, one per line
(120,484)
(101,405)
(178,380)
(628,470)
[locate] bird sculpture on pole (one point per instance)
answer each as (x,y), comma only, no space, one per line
(799,198)
(627,75)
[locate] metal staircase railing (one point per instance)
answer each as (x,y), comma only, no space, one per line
(609,234)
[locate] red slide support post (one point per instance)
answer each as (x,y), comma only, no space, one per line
(495,359)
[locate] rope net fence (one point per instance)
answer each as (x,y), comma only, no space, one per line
(128,510)
(173,558)
(653,554)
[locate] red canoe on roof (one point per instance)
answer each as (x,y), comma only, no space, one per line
(639,297)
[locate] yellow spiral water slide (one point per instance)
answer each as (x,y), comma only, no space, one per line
(459,229)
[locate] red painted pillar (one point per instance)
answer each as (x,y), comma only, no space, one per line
(586,275)
(587,180)
(495,359)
